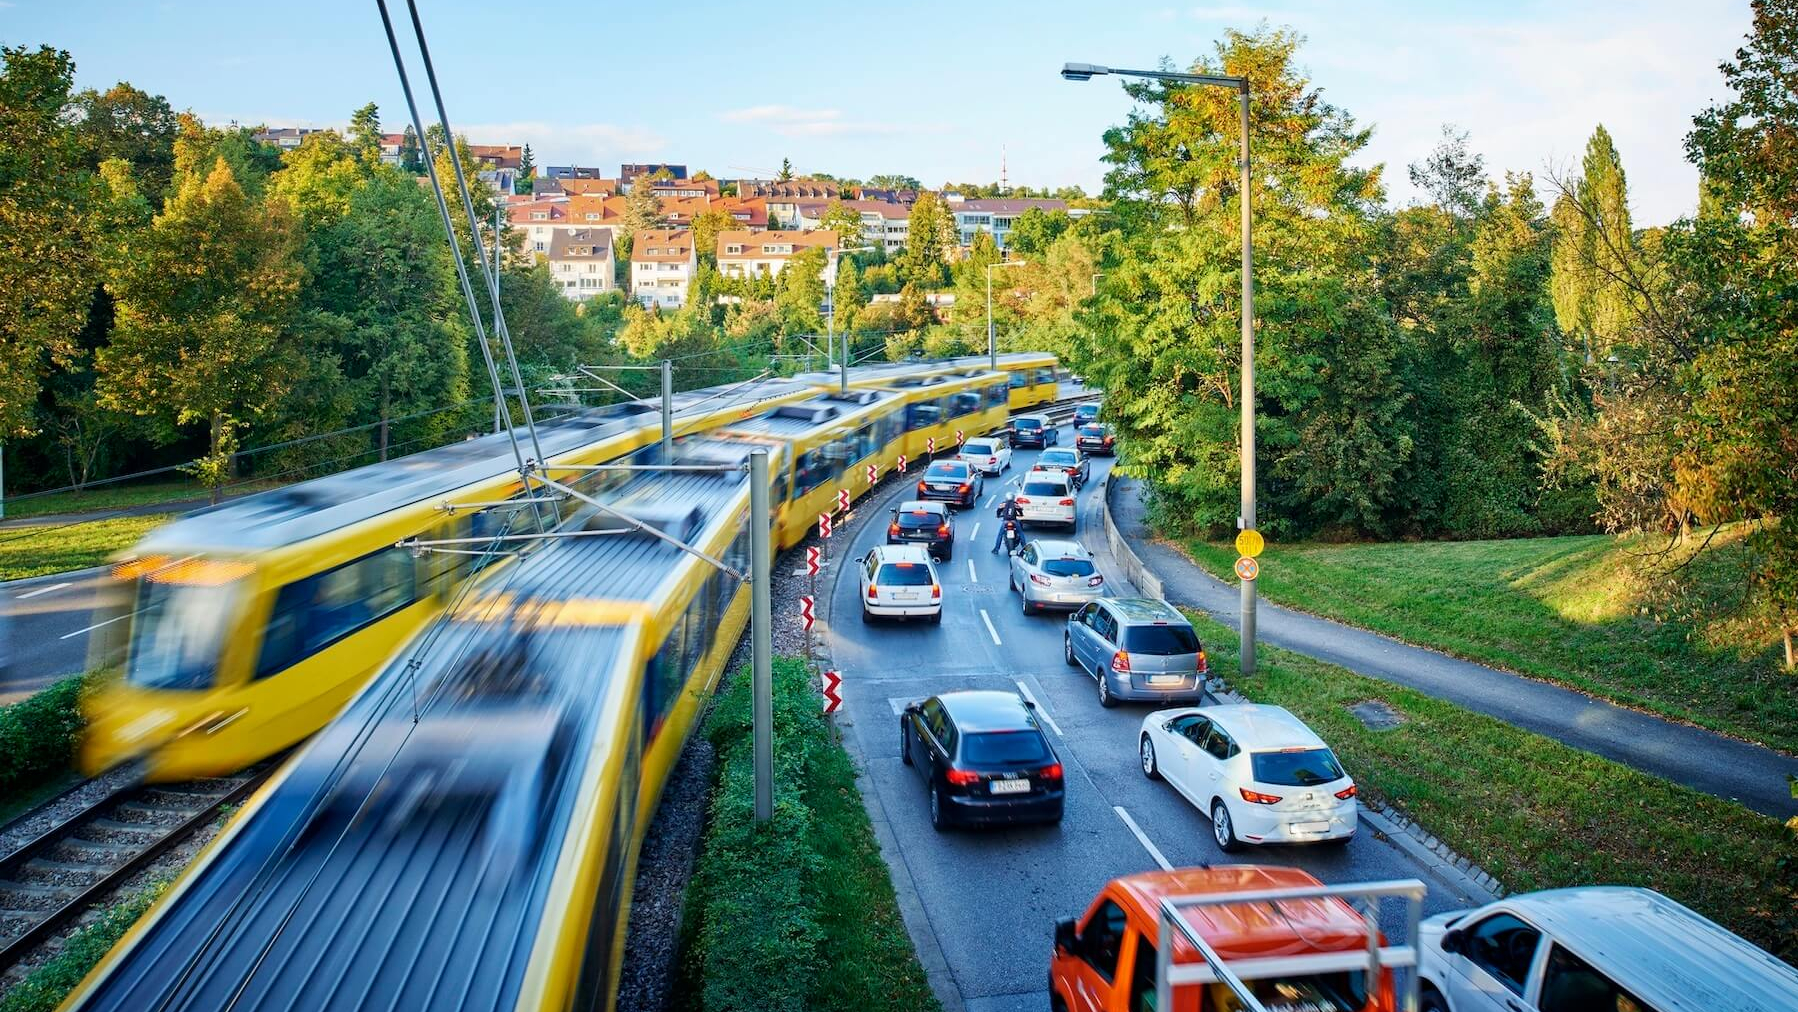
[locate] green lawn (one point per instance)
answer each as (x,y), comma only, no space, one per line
(37,551)
(1535,813)
(1586,612)
(111,497)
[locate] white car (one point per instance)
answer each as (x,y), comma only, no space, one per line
(900,581)
(1047,497)
(1261,774)
(988,454)
(1608,948)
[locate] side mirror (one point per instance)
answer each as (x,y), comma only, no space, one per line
(1453,940)
(1065,938)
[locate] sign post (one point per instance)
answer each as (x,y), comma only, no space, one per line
(832,697)
(902,463)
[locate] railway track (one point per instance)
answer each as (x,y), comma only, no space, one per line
(51,879)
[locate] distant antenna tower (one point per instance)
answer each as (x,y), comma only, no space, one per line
(1003,187)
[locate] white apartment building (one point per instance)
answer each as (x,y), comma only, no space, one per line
(580,262)
(755,254)
(662,266)
(997,216)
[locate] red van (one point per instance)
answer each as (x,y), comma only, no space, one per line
(1278,934)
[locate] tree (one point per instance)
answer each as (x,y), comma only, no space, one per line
(845,221)
(1453,176)
(848,297)
(642,209)
(365,134)
(203,299)
(44,261)
(412,159)
(705,228)
(527,172)
(1036,230)
(928,242)
(786,170)
(702,176)
(123,122)
(894,181)
(800,292)
(1597,266)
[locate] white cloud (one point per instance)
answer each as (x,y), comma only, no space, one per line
(789,121)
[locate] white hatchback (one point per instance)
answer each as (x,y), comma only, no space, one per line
(1047,497)
(988,454)
(900,581)
(1261,774)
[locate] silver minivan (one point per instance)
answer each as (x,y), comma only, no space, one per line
(1138,648)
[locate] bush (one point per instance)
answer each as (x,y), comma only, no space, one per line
(38,735)
(45,987)
(767,903)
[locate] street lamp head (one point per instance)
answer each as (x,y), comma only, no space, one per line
(1083,71)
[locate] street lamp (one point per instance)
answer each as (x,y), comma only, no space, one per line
(1088,71)
(992,347)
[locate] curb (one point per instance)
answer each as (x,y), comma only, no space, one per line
(1417,842)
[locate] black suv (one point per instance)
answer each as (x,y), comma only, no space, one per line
(1095,439)
(1085,414)
(1031,430)
(983,757)
(923,523)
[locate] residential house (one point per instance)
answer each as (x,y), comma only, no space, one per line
(662,265)
(679,212)
(906,197)
(885,223)
(743,254)
(541,219)
(580,262)
(752,212)
(997,216)
(499,164)
(685,187)
(573,172)
(784,197)
(626,173)
(390,148)
(591,187)
(285,138)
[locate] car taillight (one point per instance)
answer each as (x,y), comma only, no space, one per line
(873,591)
(893,528)
(1120,662)
(942,530)
(1348,793)
(962,778)
(920,488)
(1050,772)
(1041,581)
(1107,440)
(936,591)
(1259,798)
(1067,502)
(965,487)
(1022,501)
(1095,581)
(1204,663)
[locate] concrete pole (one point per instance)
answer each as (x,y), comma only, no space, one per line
(992,347)
(667,411)
(1247,521)
(761,637)
(496,213)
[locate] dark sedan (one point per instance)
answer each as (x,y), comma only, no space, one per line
(983,757)
(953,481)
(1031,430)
(1086,414)
(1095,439)
(923,523)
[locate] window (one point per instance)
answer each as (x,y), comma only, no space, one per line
(1218,743)
(314,613)
(591,216)
(733,248)
(1569,984)
(1045,375)
(904,574)
(1142,977)
(996,395)
(539,215)
(179,631)
(1045,488)
(1162,640)
(922,415)
(1018,379)
(1005,748)
(1068,567)
(1503,946)
(1103,937)
(1304,768)
(1193,728)
(965,403)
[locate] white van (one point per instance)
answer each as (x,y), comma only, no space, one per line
(1594,949)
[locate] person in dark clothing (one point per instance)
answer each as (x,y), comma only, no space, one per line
(1008,510)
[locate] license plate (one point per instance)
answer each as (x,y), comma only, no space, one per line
(942,488)
(1010,786)
(1309,827)
(905,595)
(1166,679)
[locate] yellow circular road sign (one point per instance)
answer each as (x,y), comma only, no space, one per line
(1249,543)
(1247,568)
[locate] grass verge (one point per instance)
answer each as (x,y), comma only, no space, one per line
(799,913)
(1535,813)
(45,987)
(112,497)
(1586,612)
(40,551)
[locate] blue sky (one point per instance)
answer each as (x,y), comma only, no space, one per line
(933,89)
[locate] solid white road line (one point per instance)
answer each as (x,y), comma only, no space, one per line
(91,628)
(990,631)
(989,501)
(1041,711)
(1143,838)
(971,577)
(44,590)
(976,531)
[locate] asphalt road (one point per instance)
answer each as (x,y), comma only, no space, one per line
(988,899)
(44,625)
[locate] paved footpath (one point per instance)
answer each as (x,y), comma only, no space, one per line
(1703,760)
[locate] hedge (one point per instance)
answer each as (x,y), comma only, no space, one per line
(38,735)
(799,913)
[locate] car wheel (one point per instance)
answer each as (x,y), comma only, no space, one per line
(867,616)
(1222,830)
(936,617)
(937,820)
(1106,699)
(1056,1004)
(1067,650)
(1147,751)
(1339,841)
(1433,1000)
(948,553)
(904,743)
(1024,602)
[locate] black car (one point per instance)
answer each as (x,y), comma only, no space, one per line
(954,481)
(1086,414)
(1095,439)
(1031,430)
(983,757)
(923,523)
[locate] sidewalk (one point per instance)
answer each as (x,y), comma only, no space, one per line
(1703,760)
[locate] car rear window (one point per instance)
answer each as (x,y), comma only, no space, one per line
(1045,488)
(1300,768)
(1160,639)
(903,574)
(1092,430)
(1056,457)
(1068,567)
(1027,423)
(1005,748)
(917,519)
(947,469)
(978,447)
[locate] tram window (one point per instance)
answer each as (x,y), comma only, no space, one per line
(1018,379)
(923,415)
(313,613)
(836,454)
(965,403)
(1045,375)
(866,442)
(812,471)
(892,425)
(996,395)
